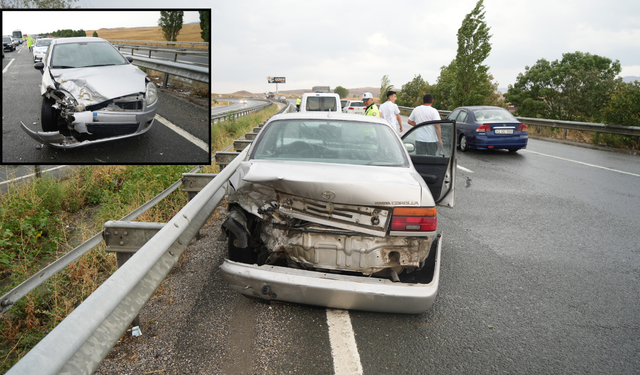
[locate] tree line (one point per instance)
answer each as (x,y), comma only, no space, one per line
(578,87)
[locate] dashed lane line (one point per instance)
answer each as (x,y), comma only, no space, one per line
(188,136)
(344,349)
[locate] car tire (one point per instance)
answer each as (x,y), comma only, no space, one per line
(462,142)
(47,116)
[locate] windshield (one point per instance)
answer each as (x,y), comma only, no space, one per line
(341,142)
(86,54)
(321,103)
(494,115)
(6,40)
(356,104)
(43,42)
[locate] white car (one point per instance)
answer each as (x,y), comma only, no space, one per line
(91,93)
(243,101)
(336,210)
(320,102)
(40,48)
(355,106)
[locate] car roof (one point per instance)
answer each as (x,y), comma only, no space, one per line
(322,115)
(478,107)
(82,39)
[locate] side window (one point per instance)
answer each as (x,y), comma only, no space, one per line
(436,139)
(453,115)
(462,117)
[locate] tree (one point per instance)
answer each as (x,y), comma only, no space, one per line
(412,92)
(385,86)
(443,89)
(341,91)
(472,84)
(574,88)
(205,24)
(623,108)
(171,24)
(95,34)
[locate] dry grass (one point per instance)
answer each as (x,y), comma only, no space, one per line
(189,33)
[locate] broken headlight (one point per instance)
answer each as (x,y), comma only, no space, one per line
(152,93)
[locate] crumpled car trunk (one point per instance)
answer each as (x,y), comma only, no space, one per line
(289,214)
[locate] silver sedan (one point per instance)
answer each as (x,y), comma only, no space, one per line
(336,210)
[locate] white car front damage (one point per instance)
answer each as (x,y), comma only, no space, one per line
(95,104)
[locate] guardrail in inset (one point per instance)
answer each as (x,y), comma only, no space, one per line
(146,254)
(176,52)
(159,43)
(196,73)
(574,125)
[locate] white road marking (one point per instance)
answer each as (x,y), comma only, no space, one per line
(344,350)
(465,169)
(583,163)
(7,67)
(33,174)
(195,140)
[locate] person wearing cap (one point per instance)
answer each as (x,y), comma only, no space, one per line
(372,108)
(389,111)
(427,137)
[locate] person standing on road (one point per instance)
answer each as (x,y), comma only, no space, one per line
(29,42)
(389,111)
(372,108)
(428,137)
(298,101)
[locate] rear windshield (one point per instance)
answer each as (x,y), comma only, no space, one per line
(6,40)
(340,142)
(85,54)
(356,104)
(321,103)
(43,42)
(494,115)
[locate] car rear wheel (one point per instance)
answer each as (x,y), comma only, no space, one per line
(464,146)
(47,116)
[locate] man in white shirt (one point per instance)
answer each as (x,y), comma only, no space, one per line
(389,111)
(427,137)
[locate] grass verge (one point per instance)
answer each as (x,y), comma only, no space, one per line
(46,218)
(223,133)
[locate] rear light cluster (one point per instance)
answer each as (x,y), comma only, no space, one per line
(420,219)
(522,128)
(483,128)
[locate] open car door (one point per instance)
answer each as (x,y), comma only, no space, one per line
(432,147)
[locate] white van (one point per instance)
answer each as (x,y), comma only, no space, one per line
(320,102)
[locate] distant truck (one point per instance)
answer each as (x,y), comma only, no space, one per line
(17,34)
(321,89)
(320,102)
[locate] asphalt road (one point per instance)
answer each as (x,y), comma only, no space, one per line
(540,273)
(236,106)
(163,144)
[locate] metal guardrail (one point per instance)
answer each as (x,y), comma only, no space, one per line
(573,125)
(176,52)
(196,73)
(234,113)
(82,340)
(159,43)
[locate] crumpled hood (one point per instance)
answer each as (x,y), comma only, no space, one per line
(95,85)
(338,183)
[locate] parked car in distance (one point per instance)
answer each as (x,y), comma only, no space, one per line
(320,102)
(7,43)
(243,101)
(487,128)
(355,106)
(91,93)
(336,210)
(40,48)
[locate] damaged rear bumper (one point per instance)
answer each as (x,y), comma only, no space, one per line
(333,290)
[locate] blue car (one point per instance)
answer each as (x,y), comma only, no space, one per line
(487,128)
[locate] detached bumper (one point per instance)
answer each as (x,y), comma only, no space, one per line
(332,290)
(99,126)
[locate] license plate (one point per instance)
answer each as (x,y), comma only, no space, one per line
(504,131)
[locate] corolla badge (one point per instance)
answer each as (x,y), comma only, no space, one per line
(328,194)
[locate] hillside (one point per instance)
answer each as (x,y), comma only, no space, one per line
(357,92)
(188,33)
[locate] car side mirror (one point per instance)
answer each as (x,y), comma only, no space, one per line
(39,65)
(129,58)
(410,147)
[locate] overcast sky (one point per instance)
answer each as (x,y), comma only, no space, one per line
(353,44)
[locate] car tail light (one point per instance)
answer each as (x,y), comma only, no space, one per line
(351,108)
(522,128)
(418,219)
(483,128)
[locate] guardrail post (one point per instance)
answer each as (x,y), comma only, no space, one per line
(37,171)
(166,80)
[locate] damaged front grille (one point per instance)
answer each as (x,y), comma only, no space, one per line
(128,103)
(369,220)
